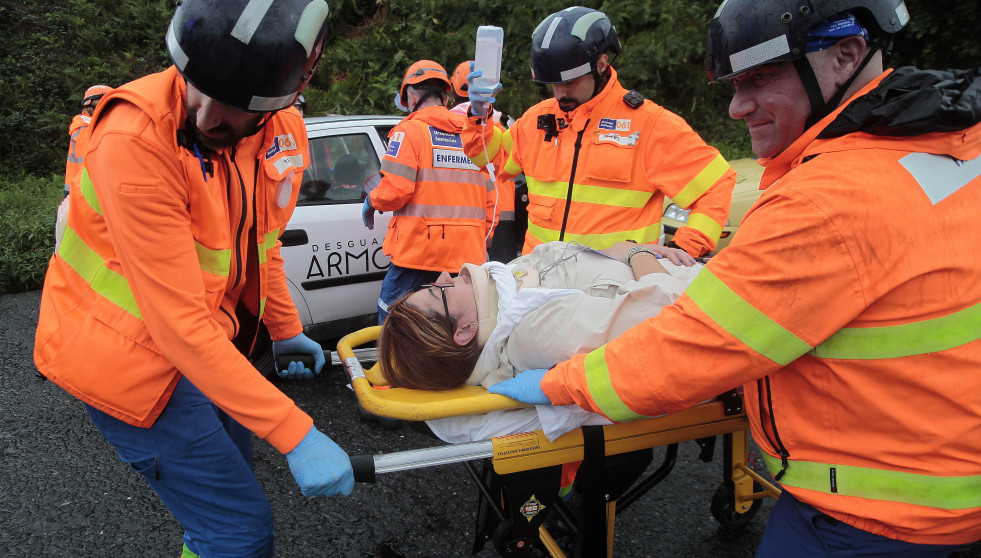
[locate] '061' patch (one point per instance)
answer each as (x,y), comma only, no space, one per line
(394,143)
(622,125)
(284,142)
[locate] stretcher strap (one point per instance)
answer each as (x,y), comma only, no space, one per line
(592,532)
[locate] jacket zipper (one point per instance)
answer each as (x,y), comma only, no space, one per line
(572,180)
(778,444)
(231,318)
(242,217)
(255,233)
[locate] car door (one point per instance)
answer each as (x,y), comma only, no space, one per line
(335,265)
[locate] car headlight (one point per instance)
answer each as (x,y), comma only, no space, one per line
(676,213)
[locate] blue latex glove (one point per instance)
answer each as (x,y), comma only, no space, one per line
(481,97)
(368,214)
(300,344)
(525,387)
(320,466)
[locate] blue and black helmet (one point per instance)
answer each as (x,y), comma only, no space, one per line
(567,44)
(745,34)
(254,56)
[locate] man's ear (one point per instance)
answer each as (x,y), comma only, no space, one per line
(602,63)
(848,55)
(465,333)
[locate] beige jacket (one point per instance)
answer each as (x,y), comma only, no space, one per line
(609,302)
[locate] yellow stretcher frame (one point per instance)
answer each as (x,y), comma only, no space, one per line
(533,450)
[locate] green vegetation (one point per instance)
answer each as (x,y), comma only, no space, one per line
(57,48)
(27,210)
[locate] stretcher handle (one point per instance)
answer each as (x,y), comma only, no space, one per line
(367,467)
(364,468)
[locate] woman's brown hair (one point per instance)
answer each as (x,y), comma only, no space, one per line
(416,349)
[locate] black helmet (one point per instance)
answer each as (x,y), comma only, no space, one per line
(745,34)
(254,56)
(567,44)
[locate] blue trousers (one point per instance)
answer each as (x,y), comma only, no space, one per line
(797,529)
(199,462)
(397,282)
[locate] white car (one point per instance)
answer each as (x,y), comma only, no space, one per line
(334,265)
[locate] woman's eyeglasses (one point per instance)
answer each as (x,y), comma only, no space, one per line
(442,291)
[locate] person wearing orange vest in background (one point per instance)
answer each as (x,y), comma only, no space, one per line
(439,199)
(857,341)
(599,159)
(77,144)
(502,247)
(170,260)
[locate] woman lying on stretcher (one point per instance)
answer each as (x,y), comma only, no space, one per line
(494,321)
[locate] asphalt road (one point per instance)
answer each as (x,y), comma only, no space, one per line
(64,492)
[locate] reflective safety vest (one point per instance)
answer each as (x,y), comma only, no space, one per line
(170,252)
(850,307)
(441,202)
(76,150)
(598,175)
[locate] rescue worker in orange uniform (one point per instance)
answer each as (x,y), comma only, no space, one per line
(502,246)
(599,159)
(170,259)
(857,342)
(77,144)
(442,203)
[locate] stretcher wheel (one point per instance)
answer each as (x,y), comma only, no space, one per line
(724,508)
(506,545)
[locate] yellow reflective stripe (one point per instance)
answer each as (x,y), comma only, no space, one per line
(927,336)
(702,182)
(642,235)
(268,243)
(215,262)
(706,225)
(262,306)
(186,553)
(743,321)
(587,193)
(942,492)
(601,388)
(488,152)
(542,234)
(92,269)
(88,191)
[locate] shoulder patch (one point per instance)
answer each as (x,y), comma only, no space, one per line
(633,99)
(394,143)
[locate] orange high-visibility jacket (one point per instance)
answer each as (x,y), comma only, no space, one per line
(161,250)
(77,143)
(441,202)
(601,176)
(849,305)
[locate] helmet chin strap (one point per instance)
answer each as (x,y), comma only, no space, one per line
(599,81)
(429,93)
(820,108)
